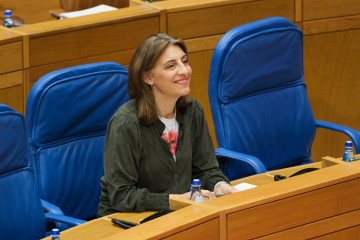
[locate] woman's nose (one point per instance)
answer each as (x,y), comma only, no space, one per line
(183,68)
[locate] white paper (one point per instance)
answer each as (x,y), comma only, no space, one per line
(97,9)
(244,186)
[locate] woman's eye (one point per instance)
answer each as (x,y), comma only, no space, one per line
(185,60)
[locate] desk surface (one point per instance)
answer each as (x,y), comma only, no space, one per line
(102,227)
(313,204)
(9,35)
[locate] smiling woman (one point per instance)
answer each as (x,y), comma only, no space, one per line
(158,141)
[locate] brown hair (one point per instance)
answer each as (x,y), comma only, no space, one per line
(143,61)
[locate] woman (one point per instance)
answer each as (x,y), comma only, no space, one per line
(159,141)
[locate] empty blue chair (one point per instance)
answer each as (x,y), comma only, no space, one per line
(262,116)
(66,115)
(22,212)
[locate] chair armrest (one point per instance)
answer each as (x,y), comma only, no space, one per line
(254,162)
(54,213)
(64,219)
(352,133)
(49,207)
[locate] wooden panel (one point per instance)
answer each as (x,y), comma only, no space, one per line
(121,57)
(319,228)
(218,20)
(298,11)
(321,9)
(331,25)
(31,11)
(346,234)
(202,44)
(11,79)
(11,91)
(200,63)
(9,35)
(92,41)
(331,64)
(294,211)
(11,57)
(208,230)
(93,20)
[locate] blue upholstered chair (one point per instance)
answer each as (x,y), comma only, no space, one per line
(66,116)
(262,116)
(21,210)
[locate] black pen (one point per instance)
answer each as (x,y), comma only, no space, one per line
(123,224)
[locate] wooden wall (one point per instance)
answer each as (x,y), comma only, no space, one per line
(11,69)
(332,68)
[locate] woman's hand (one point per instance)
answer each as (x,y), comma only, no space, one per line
(207,195)
(225,188)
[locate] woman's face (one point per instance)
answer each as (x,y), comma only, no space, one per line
(170,77)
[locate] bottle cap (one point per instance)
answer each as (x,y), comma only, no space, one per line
(55,231)
(348,144)
(8,13)
(196,182)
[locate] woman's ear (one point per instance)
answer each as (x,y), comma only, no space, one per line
(147,78)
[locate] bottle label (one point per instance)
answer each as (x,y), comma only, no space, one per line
(348,156)
(8,22)
(199,198)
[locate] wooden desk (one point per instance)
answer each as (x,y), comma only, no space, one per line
(307,206)
(102,227)
(323,204)
(31,11)
(11,69)
(111,36)
(193,222)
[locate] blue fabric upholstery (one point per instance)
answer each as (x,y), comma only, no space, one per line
(258,98)
(66,115)
(22,215)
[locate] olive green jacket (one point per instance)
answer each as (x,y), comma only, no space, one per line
(139,169)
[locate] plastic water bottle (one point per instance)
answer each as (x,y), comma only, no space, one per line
(55,234)
(349,152)
(196,191)
(8,21)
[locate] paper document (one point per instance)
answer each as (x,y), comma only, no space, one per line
(97,9)
(244,186)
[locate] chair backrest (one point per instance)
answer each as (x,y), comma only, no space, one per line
(22,216)
(257,95)
(66,115)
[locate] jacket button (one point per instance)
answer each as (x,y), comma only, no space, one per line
(176,176)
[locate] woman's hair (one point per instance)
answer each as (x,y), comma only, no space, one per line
(142,62)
